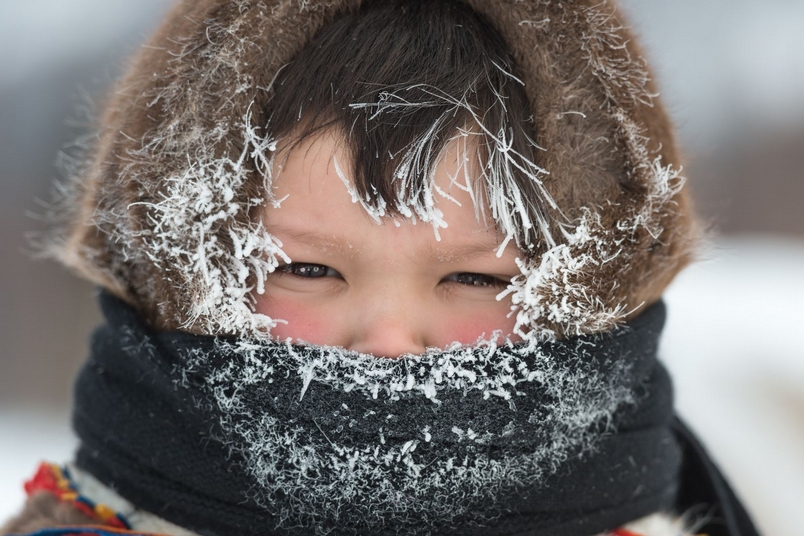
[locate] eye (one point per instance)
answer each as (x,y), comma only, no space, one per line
(477,280)
(308,270)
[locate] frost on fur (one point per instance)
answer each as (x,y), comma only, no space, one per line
(201,232)
(624,76)
(322,430)
(554,289)
(548,290)
(187,218)
(566,291)
(181,195)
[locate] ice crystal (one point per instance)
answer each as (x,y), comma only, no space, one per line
(193,170)
(318,472)
(186,219)
(498,173)
(564,287)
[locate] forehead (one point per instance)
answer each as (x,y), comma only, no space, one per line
(313,182)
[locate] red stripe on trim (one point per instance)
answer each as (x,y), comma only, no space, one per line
(623,532)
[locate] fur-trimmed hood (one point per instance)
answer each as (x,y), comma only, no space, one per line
(165,214)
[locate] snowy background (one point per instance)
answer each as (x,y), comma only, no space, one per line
(732,73)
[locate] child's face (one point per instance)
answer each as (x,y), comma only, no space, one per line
(383,289)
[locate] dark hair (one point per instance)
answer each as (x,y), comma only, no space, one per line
(391,75)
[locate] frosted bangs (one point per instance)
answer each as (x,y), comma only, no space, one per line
(501,168)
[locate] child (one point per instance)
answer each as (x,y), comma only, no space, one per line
(366,267)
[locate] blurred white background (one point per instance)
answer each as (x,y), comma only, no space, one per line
(732,73)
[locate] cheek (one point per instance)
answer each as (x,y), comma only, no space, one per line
(309,323)
(467,328)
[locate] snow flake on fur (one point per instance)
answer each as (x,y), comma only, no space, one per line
(189,215)
(169,209)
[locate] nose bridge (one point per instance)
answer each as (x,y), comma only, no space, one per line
(392,322)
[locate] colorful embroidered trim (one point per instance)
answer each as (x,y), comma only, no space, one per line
(85,531)
(53,479)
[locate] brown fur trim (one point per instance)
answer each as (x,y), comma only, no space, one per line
(189,90)
(43,510)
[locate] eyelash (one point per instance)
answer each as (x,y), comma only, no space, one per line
(319,271)
(476,280)
(308,270)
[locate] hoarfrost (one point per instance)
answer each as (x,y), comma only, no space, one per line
(498,173)
(563,286)
(185,220)
(400,469)
(554,287)
(204,197)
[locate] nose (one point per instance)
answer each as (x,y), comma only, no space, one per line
(391,325)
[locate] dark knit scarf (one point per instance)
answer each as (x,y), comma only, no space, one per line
(233,437)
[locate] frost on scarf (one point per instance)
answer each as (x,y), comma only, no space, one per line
(334,438)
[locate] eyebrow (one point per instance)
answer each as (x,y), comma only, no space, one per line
(459,252)
(456,252)
(312,238)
